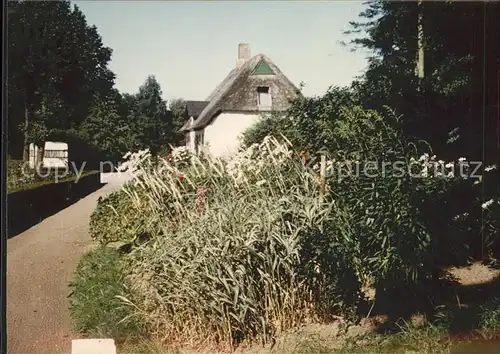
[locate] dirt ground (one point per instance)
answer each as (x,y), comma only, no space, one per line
(474,274)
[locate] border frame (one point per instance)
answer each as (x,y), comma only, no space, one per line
(3,247)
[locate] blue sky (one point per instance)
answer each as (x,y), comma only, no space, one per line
(191,46)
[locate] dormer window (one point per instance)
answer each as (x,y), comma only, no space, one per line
(263,97)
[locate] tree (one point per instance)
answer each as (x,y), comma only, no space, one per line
(456,89)
(151,122)
(461,67)
(57,64)
(106,130)
(179,116)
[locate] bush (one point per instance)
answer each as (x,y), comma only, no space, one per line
(394,236)
(16,179)
(409,226)
(308,122)
(95,308)
(115,219)
(20,176)
(459,227)
(274,125)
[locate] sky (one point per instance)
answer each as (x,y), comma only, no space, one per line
(191,46)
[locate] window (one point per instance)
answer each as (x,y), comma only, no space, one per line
(264,97)
(262,68)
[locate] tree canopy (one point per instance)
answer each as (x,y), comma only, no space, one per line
(57,64)
(59,84)
(461,68)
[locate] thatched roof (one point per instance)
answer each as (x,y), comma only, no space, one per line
(187,125)
(194,108)
(237,92)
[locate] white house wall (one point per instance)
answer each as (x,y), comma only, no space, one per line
(222,135)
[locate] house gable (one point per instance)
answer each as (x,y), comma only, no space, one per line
(240,90)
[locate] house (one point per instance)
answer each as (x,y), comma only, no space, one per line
(255,87)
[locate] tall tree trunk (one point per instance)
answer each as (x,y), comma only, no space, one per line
(26,150)
(420,44)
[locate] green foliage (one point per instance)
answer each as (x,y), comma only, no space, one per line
(50,178)
(96,307)
(36,132)
(106,130)
(269,125)
(54,56)
(402,225)
(455,63)
(18,175)
(430,339)
(179,111)
(115,219)
(490,319)
(118,124)
(59,85)
(151,122)
(307,123)
(396,241)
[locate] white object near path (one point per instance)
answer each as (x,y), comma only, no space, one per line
(93,346)
(55,154)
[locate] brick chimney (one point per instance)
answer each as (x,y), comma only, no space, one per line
(243,54)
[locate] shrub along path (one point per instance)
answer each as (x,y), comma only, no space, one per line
(40,265)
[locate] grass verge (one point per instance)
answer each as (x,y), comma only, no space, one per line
(37,184)
(490,320)
(427,340)
(95,308)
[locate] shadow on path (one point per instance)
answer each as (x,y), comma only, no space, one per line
(27,208)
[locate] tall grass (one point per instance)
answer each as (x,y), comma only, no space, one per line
(256,253)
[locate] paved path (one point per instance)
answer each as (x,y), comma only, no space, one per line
(40,265)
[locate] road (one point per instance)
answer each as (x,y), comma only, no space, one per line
(40,265)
